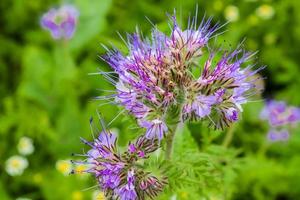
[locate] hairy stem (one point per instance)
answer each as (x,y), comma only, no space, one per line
(173,118)
(169,143)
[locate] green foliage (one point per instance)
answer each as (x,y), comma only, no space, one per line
(46,94)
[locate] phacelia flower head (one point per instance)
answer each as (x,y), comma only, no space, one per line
(279,116)
(278,113)
(118,174)
(278,135)
(156,76)
(61,22)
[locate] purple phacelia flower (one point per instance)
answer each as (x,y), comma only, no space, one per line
(294,115)
(131,148)
(118,174)
(155,128)
(104,161)
(278,135)
(232,114)
(279,116)
(201,105)
(61,22)
(156,76)
(127,191)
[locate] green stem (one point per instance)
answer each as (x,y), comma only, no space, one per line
(173,118)
(169,143)
(229,136)
(263,149)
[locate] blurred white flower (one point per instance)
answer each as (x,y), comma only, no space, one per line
(25,146)
(231,13)
(265,11)
(16,165)
(64,166)
(173,197)
(98,195)
(22,198)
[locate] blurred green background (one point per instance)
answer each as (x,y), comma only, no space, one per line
(47,95)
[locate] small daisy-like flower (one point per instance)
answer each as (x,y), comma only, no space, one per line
(231,13)
(265,11)
(64,166)
(80,170)
(25,146)
(156,78)
(118,174)
(61,22)
(16,165)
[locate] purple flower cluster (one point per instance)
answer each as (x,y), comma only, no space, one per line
(279,116)
(156,76)
(61,22)
(278,135)
(119,175)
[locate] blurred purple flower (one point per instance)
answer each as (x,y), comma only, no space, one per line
(294,115)
(61,22)
(279,114)
(278,135)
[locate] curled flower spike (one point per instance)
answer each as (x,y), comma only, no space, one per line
(61,22)
(156,76)
(118,174)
